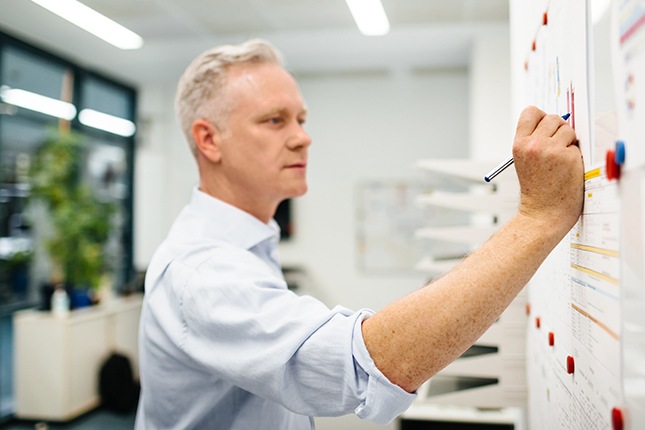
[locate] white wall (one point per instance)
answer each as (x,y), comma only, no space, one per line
(368,127)
(164,172)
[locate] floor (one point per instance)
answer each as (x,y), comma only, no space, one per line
(99,419)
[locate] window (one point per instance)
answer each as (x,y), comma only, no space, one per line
(39,92)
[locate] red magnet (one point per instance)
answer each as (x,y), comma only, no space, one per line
(528,309)
(617,421)
(534,46)
(537,322)
(571,365)
(551,338)
(545,18)
(612,170)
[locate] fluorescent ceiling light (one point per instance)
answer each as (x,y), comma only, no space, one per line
(91,21)
(37,103)
(369,16)
(110,123)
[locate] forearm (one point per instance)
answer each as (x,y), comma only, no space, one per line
(415,337)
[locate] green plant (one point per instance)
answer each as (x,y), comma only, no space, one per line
(19,259)
(80,223)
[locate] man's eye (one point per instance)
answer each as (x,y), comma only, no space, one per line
(275,120)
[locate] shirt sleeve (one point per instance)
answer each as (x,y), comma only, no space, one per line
(383,401)
(246,327)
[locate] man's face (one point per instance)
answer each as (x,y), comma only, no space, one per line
(263,143)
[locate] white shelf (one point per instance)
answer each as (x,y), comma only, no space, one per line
(470,170)
(432,265)
(464,414)
(488,396)
(489,203)
(459,234)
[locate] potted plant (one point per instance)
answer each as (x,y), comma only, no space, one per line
(79,223)
(18,272)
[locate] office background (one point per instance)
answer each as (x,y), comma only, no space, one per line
(433,88)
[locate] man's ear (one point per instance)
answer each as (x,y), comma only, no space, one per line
(206,138)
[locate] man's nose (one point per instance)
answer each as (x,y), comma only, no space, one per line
(300,137)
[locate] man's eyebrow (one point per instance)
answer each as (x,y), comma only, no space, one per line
(284,110)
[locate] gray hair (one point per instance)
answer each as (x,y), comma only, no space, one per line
(201,87)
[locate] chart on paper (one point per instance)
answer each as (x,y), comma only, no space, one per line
(576,298)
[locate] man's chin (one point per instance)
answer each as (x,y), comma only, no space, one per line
(298,192)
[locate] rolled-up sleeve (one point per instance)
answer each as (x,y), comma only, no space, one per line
(382,401)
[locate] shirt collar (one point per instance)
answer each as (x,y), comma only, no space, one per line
(231,224)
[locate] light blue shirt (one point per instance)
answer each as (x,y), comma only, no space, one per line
(225,345)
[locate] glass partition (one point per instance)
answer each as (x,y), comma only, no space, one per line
(40,92)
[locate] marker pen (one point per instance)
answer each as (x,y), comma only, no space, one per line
(499,169)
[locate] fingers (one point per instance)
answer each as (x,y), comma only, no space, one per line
(550,125)
(537,126)
(564,133)
(529,120)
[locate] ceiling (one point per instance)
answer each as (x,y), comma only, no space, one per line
(315,36)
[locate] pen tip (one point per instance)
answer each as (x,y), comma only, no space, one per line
(566,116)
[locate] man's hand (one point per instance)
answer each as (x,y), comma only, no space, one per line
(550,170)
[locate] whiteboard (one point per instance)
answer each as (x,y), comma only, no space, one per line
(586,331)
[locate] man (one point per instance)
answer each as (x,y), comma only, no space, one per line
(225,345)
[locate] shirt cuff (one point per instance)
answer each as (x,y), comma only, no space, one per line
(384,401)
